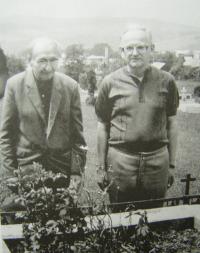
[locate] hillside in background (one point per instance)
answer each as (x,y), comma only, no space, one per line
(16,32)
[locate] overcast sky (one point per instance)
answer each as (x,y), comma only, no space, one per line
(176,11)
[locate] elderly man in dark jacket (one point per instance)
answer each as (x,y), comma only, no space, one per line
(41,119)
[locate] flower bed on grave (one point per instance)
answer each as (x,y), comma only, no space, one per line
(141,239)
(54,223)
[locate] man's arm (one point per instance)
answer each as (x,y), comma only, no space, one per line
(76,120)
(172,105)
(8,132)
(103,112)
(172,146)
(78,141)
(172,136)
(102,144)
(102,150)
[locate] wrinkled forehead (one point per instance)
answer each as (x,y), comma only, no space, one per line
(135,37)
(42,49)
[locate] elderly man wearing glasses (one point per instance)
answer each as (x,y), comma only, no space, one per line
(137,134)
(42,119)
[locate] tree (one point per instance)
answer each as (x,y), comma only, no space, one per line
(73,64)
(3,61)
(74,52)
(177,68)
(169,58)
(15,64)
(3,72)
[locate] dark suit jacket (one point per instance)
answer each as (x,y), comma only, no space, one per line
(25,134)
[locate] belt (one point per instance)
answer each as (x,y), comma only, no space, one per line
(149,153)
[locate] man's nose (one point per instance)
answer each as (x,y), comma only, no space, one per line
(134,51)
(48,65)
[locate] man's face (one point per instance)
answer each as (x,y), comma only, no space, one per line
(136,52)
(44,61)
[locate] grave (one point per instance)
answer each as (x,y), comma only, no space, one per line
(184,208)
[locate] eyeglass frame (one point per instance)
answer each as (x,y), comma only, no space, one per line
(139,48)
(43,61)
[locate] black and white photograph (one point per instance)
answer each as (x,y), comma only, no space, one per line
(100,126)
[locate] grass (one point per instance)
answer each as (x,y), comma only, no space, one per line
(188,84)
(188,152)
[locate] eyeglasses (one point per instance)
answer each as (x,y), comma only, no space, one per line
(43,61)
(138,48)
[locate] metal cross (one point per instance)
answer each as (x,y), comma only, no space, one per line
(187,180)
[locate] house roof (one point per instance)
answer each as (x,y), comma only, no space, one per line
(95,57)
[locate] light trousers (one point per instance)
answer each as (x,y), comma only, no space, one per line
(141,176)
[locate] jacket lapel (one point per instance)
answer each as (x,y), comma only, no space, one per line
(54,104)
(33,94)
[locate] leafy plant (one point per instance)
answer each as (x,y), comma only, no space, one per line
(54,222)
(51,216)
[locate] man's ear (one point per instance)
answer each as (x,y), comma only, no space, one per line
(151,53)
(31,62)
(122,53)
(152,47)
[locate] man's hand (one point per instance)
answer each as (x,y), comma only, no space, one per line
(75,182)
(102,179)
(78,160)
(171,177)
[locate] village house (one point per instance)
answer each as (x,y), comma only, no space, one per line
(192,58)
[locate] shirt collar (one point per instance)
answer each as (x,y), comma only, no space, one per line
(147,70)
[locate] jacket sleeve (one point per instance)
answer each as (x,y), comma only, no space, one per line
(78,141)
(76,120)
(8,132)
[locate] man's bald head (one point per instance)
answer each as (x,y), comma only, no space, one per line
(136,33)
(136,46)
(44,56)
(43,44)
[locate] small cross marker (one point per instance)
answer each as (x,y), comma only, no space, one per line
(187,180)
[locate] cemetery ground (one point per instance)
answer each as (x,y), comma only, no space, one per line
(188,151)
(187,162)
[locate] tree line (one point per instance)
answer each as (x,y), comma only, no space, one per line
(74,62)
